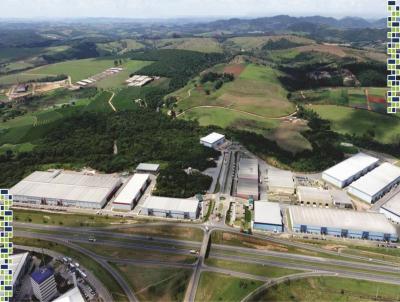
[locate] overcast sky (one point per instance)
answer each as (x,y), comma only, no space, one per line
(138,9)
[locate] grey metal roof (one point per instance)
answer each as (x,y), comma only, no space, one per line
(247,187)
(171,204)
(248,168)
(280,178)
(311,194)
(341,219)
(148,167)
(393,205)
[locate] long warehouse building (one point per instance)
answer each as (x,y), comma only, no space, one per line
(350,170)
(61,188)
(131,192)
(342,223)
(391,209)
(248,176)
(376,184)
(171,207)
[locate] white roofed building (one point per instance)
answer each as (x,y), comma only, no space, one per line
(391,209)
(73,295)
(131,192)
(148,168)
(167,207)
(62,188)
(376,183)
(342,223)
(267,216)
(350,170)
(314,196)
(213,140)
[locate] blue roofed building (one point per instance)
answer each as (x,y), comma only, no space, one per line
(44,284)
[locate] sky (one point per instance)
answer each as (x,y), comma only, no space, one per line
(139,9)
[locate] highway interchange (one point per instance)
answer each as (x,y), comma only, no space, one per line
(334,264)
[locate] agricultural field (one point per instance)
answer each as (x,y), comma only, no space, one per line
(348,120)
(206,45)
(120,47)
(330,289)
(152,283)
(220,287)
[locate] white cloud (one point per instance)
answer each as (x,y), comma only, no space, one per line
(180,8)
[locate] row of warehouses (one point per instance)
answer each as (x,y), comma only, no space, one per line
(334,222)
(94,191)
(139,80)
(98,77)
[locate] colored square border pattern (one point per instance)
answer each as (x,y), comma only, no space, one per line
(6,230)
(393,49)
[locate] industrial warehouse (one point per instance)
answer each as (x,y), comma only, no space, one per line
(131,192)
(342,223)
(314,196)
(61,188)
(376,183)
(391,209)
(171,207)
(280,182)
(248,177)
(267,216)
(350,170)
(213,140)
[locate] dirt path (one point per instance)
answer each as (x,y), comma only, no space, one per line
(367,96)
(241,111)
(111,104)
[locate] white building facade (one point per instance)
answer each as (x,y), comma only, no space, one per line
(131,192)
(165,207)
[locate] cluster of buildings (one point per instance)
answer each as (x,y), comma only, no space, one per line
(139,80)
(100,76)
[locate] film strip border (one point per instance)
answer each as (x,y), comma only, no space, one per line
(393,95)
(6,247)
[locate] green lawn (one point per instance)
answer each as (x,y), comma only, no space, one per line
(250,268)
(207,45)
(220,287)
(329,289)
(120,47)
(348,120)
(151,283)
(100,103)
(107,280)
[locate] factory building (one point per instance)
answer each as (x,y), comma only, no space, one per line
(61,188)
(73,295)
(316,197)
(391,209)
(131,192)
(171,207)
(44,284)
(247,189)
(350,170)
(19,266)
(376,183)
(267,216)
(342,223)
(248,176)
(341,199)
(148,168)
(213,140)
(280,182)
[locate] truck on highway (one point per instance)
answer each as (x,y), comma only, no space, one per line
(92,239)
(194,252)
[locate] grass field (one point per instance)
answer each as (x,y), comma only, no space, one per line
(120,47)
(156,284)
(126,253)
(219,287)
(329,289)
(107,280)
(207,45)
(348,120)
(251,43)
(78,70)
(72,219)
(249,268)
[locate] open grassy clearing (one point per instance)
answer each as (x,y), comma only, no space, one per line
(66,219)
(151,283)
(171,231)
(206,45)
(256,91)
(107,280)
(329,289)
(120,47)
(253,269)
(78,70)
(220,287)
(251,43)
(126,253)
(356,121)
